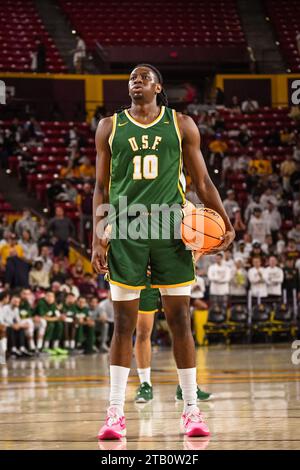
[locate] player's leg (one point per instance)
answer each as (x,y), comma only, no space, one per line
(49,337)
(127,262)
(3,344)
(79,335)
(147,308)
(58,338)
(201,395)
(173,272)
(178,317)
(125,318)
(41,327)
(144,329)
(89,333)
(103,329)
(11,335)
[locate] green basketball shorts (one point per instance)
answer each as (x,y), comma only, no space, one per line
(171,264)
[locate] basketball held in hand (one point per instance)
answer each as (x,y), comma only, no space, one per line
(202,229)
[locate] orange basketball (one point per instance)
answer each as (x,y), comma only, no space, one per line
(201,229)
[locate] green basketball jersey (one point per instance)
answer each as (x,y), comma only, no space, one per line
(146,160)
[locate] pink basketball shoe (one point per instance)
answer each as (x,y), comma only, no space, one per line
(193,424)
(114,427)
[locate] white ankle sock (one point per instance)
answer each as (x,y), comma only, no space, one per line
(144,375)
(188,383)
(31,344)
(40,343)
(3,345)
(56,344)
(118,382)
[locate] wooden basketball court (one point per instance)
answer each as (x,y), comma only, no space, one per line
(60,403)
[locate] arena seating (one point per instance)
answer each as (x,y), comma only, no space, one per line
(175,23)
(5,206)
(285,18)
(260,125)
(20,25)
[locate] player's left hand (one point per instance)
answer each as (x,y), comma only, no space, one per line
(227,239)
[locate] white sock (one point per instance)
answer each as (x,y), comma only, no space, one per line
(31,344)
(56,344)
(3,348)
(72,344)
(39,343)
(144,375)
(118,382)
(188,383)
(67,343)
(46,344)
(3,345)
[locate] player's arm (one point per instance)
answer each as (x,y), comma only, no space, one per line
(195,164)
(100,196)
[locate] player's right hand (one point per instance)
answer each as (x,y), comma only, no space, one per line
(99,258)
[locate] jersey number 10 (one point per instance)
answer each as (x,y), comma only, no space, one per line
(145,167)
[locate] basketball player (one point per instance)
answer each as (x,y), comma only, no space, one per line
(140,154)
(148,306)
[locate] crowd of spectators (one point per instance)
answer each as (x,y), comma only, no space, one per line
(264,261)
(48,305)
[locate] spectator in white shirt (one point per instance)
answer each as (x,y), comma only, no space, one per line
(219,277)
(253,204)
(258,227)
(268,248)
(4,299)
(280,245)
(30,248)
(15,327)
(230,203)
(26,222)
(70,288)
(257,279)
(296,208)
(249,106)
(79,55)
(274,278)
(227,260)
(242,163)
(45,258)
(267,197)
(294,234)
(273,218)
(241,252)
(239,279)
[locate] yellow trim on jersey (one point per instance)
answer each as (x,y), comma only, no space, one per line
(126,285)
(110,170)
(113,131)
(110,141)
(145,312)
(145,126)
(182,284)
(177,128)
(180,145)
